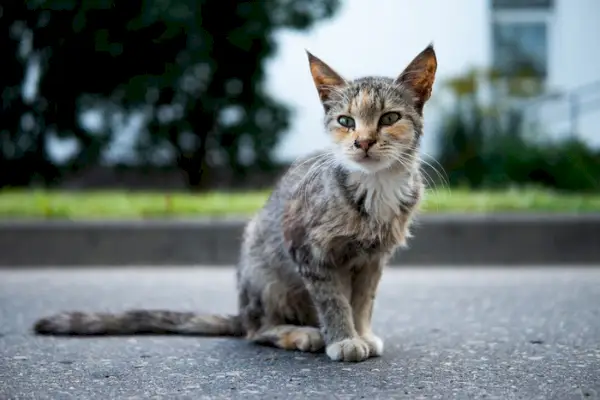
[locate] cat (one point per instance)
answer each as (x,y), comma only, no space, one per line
(311,259)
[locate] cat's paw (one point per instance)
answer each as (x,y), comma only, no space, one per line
(308,339)
(350,350)
(375,344)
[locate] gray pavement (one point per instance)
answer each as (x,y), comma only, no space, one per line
(450,333)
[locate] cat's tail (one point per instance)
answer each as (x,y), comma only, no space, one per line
(136,322)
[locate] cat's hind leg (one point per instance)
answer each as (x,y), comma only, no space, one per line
(291,337)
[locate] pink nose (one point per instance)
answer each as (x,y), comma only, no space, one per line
(364,144)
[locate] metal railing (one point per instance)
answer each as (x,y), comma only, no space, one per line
(569,105)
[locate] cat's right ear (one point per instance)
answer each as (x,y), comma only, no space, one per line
(324,77)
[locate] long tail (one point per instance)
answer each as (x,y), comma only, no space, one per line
(137,322)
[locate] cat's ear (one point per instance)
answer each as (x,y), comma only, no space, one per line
(419,76)
(324,77)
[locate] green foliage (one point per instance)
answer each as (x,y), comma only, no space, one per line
(183,64)
(492,147)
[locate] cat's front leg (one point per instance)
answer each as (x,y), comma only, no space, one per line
(327,289)
(364,289)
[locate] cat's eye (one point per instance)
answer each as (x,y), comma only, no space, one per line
(346,122)
(388,119)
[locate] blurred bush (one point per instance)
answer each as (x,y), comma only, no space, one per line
(494,145)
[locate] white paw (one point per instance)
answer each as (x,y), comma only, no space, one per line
(348,350)
(375,344)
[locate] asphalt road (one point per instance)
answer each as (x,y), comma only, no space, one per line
(449,333)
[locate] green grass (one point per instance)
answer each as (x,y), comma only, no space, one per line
(136,205)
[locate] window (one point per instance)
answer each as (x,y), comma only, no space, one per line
(520,37)
(520,49)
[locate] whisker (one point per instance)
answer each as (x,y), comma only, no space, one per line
(430,182)
(445,179)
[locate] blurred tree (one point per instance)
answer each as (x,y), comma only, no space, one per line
(23,151)
(194,69)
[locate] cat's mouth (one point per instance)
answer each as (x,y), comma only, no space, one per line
(366,158)
(367,161)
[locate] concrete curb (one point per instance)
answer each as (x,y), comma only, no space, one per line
(497,239)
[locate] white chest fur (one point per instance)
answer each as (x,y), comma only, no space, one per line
(383,192)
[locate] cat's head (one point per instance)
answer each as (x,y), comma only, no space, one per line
(375,122)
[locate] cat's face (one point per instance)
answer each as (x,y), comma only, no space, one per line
(376,123)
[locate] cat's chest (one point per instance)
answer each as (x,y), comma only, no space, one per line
(369,241)
(385,215)
(381,204)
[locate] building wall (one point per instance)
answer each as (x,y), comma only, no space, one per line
(575,56)
(575,60)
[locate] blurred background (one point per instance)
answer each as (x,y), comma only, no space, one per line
(194,107)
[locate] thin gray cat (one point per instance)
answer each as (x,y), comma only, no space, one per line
(312,258)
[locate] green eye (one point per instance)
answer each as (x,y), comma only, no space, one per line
(346,122)
(388,119)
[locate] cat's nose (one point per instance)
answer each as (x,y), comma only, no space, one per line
(364,144)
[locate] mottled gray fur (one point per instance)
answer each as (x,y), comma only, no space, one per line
(312,258)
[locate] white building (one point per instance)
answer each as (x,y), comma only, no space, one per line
(560,38)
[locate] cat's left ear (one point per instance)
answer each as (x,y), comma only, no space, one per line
(324,77)
(419,76)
